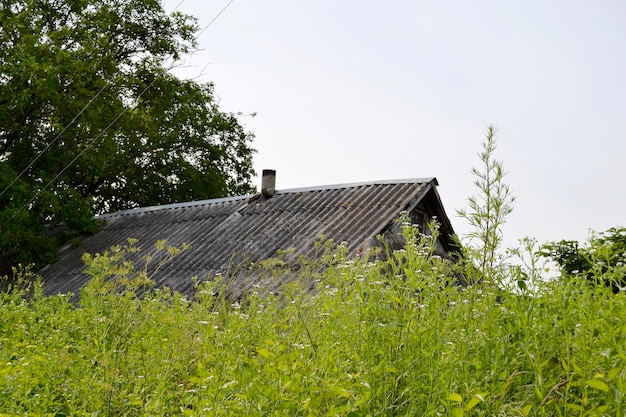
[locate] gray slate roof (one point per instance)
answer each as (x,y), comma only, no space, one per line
(255,227)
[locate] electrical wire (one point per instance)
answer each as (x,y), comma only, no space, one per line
(89,144)
(92,141)
(214,19)
(40,154)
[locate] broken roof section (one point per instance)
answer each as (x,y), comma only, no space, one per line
(256,227)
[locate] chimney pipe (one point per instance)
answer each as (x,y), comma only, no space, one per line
(268,183)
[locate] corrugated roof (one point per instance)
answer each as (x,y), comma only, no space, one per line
(253,227)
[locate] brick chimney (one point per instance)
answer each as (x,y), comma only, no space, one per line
(268,183)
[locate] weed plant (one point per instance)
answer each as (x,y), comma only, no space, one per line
(373,338)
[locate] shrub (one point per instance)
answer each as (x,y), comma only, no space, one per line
(601,261)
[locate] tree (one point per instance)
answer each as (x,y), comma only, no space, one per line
(487,212)
(91,121)
(601,261)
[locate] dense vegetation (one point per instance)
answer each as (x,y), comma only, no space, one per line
(599,261)
(92,121)
(373,338)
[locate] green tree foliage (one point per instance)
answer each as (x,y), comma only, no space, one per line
(487,212)
(91,121)
(601,261)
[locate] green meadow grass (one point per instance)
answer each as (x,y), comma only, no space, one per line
(372,338)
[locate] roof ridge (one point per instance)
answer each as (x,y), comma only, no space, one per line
(358,184)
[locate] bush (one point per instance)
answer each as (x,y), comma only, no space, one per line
(601,261)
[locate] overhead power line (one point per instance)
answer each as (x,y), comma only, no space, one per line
(82,110)
(214,19)
(40,154)
(92,141)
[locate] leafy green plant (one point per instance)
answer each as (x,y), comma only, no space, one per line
(601,261)
(487,213)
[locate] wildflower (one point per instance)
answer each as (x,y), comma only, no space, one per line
(331,291)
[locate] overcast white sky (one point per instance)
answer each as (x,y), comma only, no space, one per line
(351,91)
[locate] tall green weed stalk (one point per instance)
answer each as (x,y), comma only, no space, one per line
(487,213)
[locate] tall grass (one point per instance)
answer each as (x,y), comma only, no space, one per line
(373,338)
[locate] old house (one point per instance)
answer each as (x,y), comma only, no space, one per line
(225,232)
